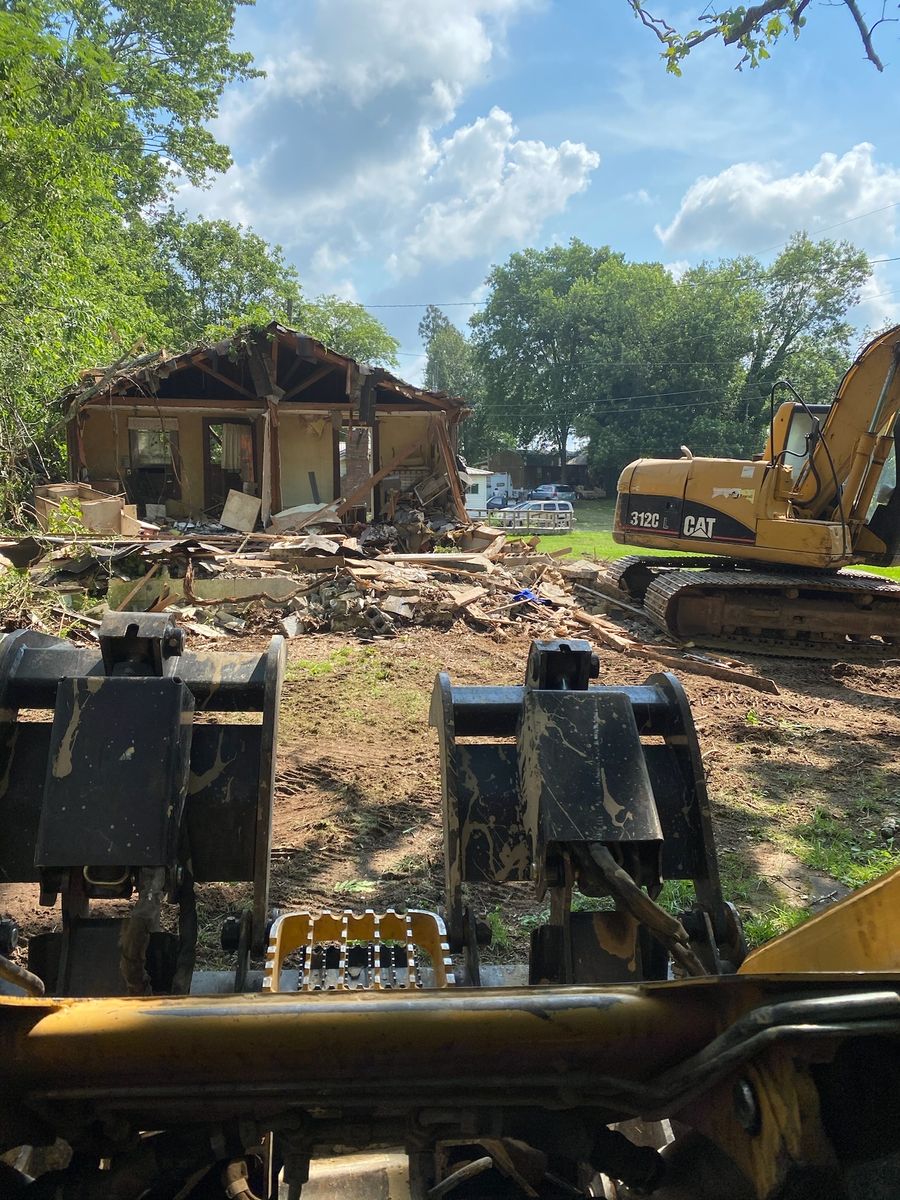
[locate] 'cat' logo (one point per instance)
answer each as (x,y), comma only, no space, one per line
(699,526)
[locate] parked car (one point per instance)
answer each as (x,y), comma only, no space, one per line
(590,493)
(552,491)
(497,501)
(547,516)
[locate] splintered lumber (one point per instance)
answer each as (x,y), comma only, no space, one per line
(123,604)
(612,638)
(442,562)
(464,596)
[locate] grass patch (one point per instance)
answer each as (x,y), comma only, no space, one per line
(853,856)
(310,668)
(776,919)
(365,676)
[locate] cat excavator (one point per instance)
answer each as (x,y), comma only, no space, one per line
(768,539)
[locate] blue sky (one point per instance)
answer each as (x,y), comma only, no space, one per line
(397,148)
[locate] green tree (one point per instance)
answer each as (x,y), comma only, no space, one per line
(218,275)
(347,327)
(681,378)
(805,296)
(714,343)
(97,105)
(451,366)
(547,319)
(161,67)
(752,29)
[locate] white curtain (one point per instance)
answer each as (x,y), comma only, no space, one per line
(232,437)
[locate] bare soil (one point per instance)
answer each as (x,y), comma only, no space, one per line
(801,783)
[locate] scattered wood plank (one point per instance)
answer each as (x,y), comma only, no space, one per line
(442,562)
(464,596)
(130,595)
(614,639)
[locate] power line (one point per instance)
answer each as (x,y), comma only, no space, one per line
(836,225)
(480,303)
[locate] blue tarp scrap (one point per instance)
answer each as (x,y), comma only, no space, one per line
(533,597)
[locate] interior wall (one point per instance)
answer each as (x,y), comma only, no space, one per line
(107,453)
(394,432)
(306,445)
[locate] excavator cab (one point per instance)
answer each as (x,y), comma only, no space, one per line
(794,432)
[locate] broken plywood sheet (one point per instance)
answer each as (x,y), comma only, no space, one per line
(483,539)
(297,517)
(240,511)
(278,588)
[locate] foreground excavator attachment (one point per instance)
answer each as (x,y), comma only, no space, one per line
(380,1056)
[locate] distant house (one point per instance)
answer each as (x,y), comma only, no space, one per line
(269,412)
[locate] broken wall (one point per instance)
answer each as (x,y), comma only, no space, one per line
(306,445)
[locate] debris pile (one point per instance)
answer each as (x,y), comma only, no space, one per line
(233,585)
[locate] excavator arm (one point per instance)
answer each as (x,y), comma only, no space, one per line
(846,459)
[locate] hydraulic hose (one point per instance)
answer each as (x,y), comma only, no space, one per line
(19,977)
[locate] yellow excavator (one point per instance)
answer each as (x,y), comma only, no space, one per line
(821,497)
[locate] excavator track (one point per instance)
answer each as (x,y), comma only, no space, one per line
(796,614)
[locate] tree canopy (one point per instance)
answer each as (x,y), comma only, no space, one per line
(577,340)
(452,366)
(102,108)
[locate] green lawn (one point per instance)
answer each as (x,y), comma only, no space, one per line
(592,537)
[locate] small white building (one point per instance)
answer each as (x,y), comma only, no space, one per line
(476,482)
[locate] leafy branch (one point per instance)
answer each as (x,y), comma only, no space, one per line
(752,29)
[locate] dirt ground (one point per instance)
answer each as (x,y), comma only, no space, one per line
(803,785)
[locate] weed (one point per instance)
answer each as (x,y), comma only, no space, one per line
(772,921)
(411,866)
(500,932)
(740,884)
(677,895)
(355,887)
(68,519)
(851,855)
(311,668)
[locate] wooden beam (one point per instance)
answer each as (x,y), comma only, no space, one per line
(318,374)
(335,458)
(236,387)
(376,458)
(611,637)
(275,453)
(155,404)
(443,441)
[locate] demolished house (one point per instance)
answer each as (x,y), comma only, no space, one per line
(268,414)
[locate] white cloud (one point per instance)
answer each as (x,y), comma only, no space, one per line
(750,206)
(677,268)
(346,152)
(879,303)
(641,196)
(490,188)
